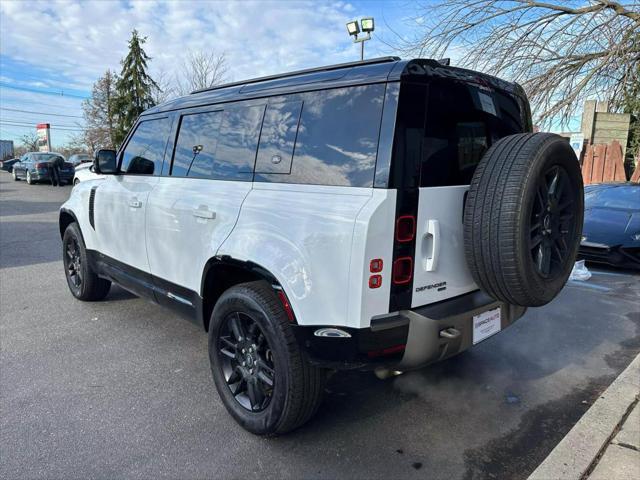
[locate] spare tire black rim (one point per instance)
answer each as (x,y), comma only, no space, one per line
(246,361)
(553,221)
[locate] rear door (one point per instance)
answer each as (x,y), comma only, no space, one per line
(461,122)
(194,207)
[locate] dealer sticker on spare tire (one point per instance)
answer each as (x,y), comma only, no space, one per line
(485,325)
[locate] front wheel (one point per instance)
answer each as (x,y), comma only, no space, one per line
(14,175)
(83,282)
(262,377)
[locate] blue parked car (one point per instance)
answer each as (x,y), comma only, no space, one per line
(611,232)
(34,167)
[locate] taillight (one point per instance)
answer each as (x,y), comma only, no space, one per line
(402,270)
(405,228)
(386,351)
(375,266)
(286,305)
(375,281)
(42,165)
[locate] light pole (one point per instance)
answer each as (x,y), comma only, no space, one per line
(367,26)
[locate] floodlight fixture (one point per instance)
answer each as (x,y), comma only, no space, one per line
(367,24)
(353,28)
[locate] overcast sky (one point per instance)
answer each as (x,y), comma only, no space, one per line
(51,52)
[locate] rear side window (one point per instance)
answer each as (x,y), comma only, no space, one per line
(278,137)
(196,146)
(144,153)
(219,145)
(336,141)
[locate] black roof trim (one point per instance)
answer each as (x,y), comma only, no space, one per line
(326,68)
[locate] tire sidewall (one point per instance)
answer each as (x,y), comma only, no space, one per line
(71,232)
(29,180)
(241,300)
(555,152)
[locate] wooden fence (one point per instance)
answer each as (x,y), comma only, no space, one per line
(603,163)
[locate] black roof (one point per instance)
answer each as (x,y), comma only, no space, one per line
(384,69)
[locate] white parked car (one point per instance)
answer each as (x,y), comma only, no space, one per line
(85,172)
(379,214)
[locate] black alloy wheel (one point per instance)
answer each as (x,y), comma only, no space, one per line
(553,221)
(247,361)
(73,262)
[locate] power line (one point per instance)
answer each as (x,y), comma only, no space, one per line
(40,113)
(33,122)
(53,127)
(40,103)
(44,92)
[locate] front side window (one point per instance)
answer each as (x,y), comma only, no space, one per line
(144,153)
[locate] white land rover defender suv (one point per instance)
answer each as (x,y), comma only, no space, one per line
(385,213)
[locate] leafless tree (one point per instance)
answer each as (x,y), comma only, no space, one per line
(166,87)
(561,52)
(30,142)
(200,70)
(98,112)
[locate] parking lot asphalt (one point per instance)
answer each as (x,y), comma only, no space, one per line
(122,388)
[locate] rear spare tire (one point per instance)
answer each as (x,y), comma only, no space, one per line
(523,218)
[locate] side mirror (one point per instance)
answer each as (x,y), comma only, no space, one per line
(105,162)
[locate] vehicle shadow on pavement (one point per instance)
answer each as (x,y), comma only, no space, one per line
(27,243)
(20,207)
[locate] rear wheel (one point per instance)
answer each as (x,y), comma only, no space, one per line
(82,280)
(14,175)
(262,377)
(523,218)
(29,179)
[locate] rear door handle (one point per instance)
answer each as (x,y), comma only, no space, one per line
(204,213)
(433,234)
(135,203)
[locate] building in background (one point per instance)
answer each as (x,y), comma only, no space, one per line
(6,149)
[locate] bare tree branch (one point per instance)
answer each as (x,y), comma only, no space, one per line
(561,52)
(201,70)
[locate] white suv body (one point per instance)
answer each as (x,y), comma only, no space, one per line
(311,182)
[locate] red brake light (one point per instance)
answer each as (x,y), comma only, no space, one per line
(375,281)
(376,265)
(287,306)
(405,228)
(386,351)
(402,270)
(42,165)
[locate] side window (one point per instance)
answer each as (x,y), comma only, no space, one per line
(278,136)
(219,145)
(196,146)
(337,138)
(239,134)
(144,153)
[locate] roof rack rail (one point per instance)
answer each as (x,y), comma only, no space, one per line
(301,72)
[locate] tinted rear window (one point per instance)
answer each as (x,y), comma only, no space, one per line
(337,138)
(445,127)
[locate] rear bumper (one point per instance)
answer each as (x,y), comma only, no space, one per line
(407,339)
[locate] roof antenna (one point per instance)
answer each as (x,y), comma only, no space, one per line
(445,61)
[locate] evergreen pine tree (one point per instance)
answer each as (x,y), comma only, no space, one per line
(134,88)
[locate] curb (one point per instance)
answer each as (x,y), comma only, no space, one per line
(577,452)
